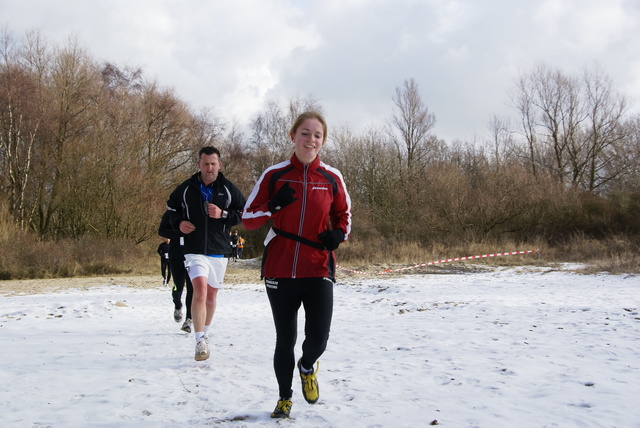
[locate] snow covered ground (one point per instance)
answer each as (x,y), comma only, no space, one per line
(516,347)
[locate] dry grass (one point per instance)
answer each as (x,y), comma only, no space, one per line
(614,255)
(380,251)
(23,257)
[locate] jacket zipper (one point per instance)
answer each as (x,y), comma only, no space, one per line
(301,224)
(206,226)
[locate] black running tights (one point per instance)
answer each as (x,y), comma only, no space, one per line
(180,277)
(285,296)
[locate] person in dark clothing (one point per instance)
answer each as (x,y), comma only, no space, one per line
(163,251)
(204,208)
(234,245)
(178,272)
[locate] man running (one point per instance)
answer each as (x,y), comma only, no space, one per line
(205,208)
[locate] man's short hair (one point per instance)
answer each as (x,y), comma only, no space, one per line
(208,150)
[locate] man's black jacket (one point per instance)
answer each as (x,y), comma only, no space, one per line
(211,235)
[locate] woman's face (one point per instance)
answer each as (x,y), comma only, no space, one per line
(308,140)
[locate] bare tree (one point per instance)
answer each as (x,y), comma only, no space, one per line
(72,87)
(18,127)
(502,143)
(237,158)
(623,160)
(370,168)
(552,111)
(572,125)
(604,136)
(413,123)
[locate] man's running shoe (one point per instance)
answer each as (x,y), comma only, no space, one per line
(310,389)
(187,325)
(202,349)
(177,315)
(283,409)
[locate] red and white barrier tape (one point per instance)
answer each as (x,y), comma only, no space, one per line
(386,271)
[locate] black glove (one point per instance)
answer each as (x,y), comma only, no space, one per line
(282,198)
(331,238)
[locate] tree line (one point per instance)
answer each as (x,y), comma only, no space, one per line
(93,149)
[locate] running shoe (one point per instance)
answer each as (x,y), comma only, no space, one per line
(202,349)
(310,389)
(187,325)
(283,409)
(177,315)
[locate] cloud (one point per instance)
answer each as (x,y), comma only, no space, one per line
(224,54)
(350,54)
(584,25)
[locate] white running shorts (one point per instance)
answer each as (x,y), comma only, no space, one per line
(213,268)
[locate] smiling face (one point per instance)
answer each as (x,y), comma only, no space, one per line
(308,139)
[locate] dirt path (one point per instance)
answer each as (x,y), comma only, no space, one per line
(241,272)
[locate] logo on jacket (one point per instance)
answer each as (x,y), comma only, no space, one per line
(319,188)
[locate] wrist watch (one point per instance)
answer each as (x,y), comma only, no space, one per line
(224,214)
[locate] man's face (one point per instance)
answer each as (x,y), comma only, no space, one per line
(209,165)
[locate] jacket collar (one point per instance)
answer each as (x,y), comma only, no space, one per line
(299,165)
(195,179)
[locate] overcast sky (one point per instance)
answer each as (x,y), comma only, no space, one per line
(235,55)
